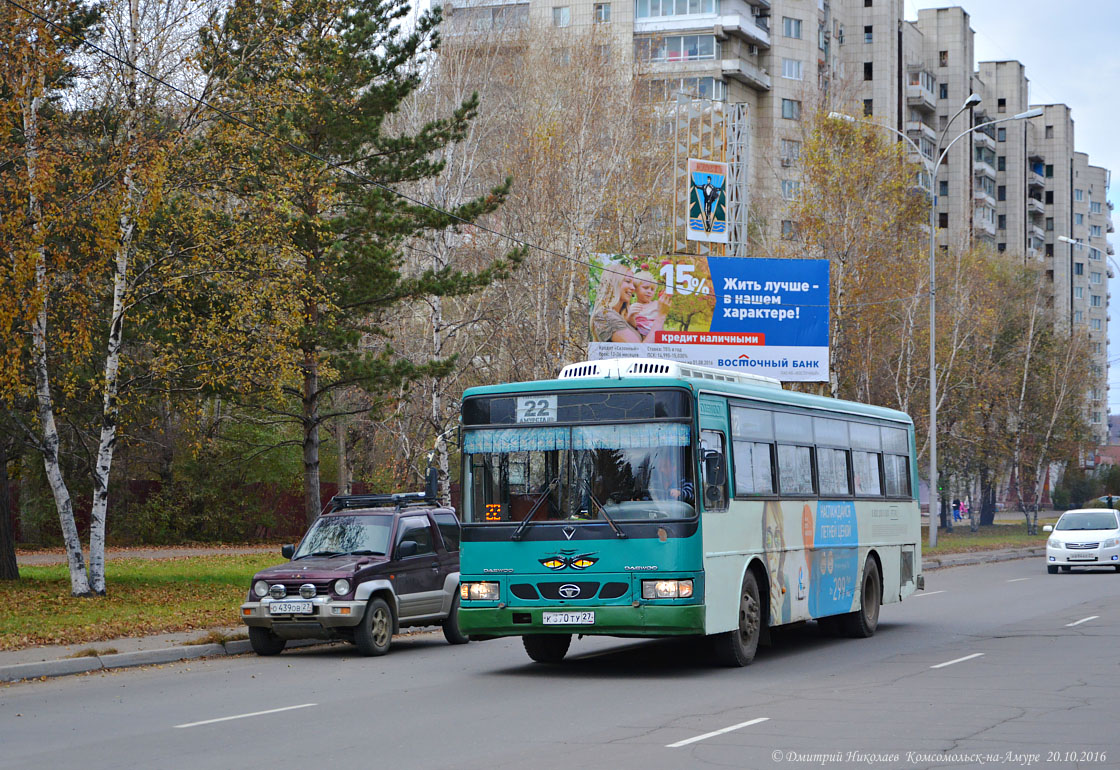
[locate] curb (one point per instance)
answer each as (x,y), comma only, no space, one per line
(67,666)
(981,557)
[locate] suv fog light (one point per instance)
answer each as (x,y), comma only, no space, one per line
(666,589)
(278,591)
(260,589)
(342,586)
(479,592)
(307,590)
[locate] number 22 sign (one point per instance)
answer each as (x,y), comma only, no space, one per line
(536,409)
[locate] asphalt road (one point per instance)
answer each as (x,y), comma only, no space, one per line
(993,665)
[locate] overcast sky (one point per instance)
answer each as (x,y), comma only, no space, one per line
(1071,52)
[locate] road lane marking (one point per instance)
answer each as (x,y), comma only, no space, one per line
(243,716)
(687,741)
(1017,580)
(1083,620)
(927,593)
(958,660)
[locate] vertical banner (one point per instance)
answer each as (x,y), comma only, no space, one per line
(764,316)
(707,201)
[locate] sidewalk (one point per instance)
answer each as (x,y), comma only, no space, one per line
(58,660)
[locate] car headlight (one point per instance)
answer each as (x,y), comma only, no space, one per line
(1111,542)
(1055,543)
(479,592)
(307,590)
(666,589)
(341,586)
(260,589)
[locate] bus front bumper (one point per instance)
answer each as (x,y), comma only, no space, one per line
(643,620)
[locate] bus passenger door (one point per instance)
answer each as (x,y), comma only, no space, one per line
(721,530)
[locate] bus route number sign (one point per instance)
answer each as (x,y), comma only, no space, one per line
(532,409)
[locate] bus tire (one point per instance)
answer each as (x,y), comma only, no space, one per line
(862,623)
(547,648)
(737,648)
(451,631)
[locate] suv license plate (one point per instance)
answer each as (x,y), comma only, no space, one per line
(569,618)
(1082,557)
(290,608)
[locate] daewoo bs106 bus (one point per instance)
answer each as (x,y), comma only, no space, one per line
(638,497)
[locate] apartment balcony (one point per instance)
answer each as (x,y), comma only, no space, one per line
(980,139)
(745,72)
(1035,207)
(742,26)
(1034,253)
(1110,250)
(982,226)
(1037,232)
(921,98)
(1035,179)
(739,25)
(1108,228)
(921,129)
(983,198)
(982,168)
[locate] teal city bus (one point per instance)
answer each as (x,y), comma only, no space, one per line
(639,497)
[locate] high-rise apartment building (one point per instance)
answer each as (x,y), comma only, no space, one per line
(1019,186)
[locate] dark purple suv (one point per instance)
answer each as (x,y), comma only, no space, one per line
(370,566)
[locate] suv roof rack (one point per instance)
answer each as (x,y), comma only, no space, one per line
(384,500)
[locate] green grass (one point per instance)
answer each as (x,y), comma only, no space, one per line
(145,596)
(1002,535)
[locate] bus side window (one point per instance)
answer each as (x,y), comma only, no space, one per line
(713,466)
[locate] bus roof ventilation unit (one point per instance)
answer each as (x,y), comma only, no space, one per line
(621,368)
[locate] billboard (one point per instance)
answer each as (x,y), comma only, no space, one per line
(763,316)
(707,202)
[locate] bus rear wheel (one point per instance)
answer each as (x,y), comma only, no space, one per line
(547,648)
(863,622)
(737,648)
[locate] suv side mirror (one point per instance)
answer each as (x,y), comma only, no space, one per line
(1047,528)
(715,468)
(407,548)
(287,550)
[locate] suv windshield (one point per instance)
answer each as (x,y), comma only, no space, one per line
(1087,520)
(635,470)
(331,535)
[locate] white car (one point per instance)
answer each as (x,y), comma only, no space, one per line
(1087,537)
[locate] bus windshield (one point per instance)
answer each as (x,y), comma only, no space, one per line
(579,473)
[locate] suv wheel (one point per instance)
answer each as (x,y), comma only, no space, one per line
(374,634)
(451,630)
(547,648)
(264,642)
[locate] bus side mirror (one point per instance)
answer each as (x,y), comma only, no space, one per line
(715,468)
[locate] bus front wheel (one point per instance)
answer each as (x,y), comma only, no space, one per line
(547,648)
(737,648)
(863,622)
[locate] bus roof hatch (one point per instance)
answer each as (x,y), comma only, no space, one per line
(622,368)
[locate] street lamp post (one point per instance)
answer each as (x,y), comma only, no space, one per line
(931,169)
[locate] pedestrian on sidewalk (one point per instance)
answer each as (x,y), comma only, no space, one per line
(956,510)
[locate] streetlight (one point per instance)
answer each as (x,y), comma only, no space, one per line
(932,168)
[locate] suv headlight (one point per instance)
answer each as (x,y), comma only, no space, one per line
(1055,543)
(479,592)
(1111,543)
(666,589)
(260,589)
(342,586)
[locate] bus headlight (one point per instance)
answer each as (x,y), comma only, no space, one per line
(479,592)
(666,589)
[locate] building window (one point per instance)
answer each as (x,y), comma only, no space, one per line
(866,3)
(1095,207)
(1079,219)
(1095,325)
(1002,222)
(867,34)
(1001,105)
(868,107)
(1095,231)
(1078,317)
(646,8)
(943,220)
(790,189)
(1049,173)
(561,16)
(602,13)
(676,48)
(1094,253)
(867,70)
(1050,252)
(791,152)
(1095,300)
(943,188)
(791,109)
(1001,193)
(1049,132)
(1049,224)
(1001,247)
(943,58)
(1001,134)
(788,230)
(791,27)
(1078,194)
(943,91)
(791,69)
(1078,267)
(1001,163)
(1050,196)
(1078,292)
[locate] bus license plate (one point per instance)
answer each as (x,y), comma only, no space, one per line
(290,608)
(569,618)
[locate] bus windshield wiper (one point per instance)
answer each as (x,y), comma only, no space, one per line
(617,530)
(532,511)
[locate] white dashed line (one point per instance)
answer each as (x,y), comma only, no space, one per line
(926,593)
(1017,580)
(958,660)
(1083,620)
(243,716)
(687,741)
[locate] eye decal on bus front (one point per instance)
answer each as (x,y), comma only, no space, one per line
(569,559)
